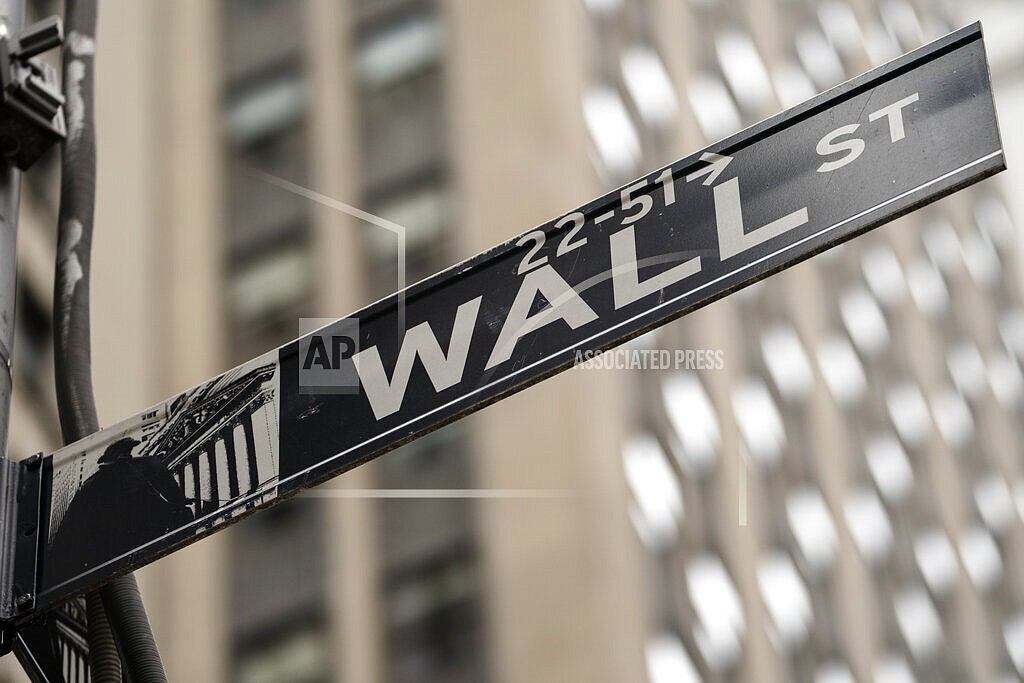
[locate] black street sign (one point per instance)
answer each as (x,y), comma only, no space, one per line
(677,239)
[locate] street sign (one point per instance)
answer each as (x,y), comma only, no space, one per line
(677,239)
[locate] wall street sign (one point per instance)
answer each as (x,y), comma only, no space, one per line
(677,239)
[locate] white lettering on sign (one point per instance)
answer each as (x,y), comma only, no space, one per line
(729,214)
(564,304)
(538,237)
(647,197)
(894,112)
(854,147)
(732,239)
(444,370)
(626,285)
(827,145)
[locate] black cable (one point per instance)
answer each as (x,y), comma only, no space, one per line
(104,662)
(75,401)
(142,666)
(71,341)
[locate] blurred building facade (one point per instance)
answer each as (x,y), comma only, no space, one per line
(841,501)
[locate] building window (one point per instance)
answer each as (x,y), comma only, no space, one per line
(269,288)
(398,71)
(668,661)
(433,621)
(297,656)
(260,112)
(435,460)
(422,210)
(268,256)
(744,69)
(271,282)
(433,629)
(716,112)
(277,608)
(399,50)
(612,129)
(397,68)
(650,86)
(241,10)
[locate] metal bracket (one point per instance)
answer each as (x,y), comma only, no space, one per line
(31,104)
(25,541)
(20,543)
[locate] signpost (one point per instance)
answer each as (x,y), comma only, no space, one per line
(677,239)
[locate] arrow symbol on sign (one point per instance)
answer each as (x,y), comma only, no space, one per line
(717,164)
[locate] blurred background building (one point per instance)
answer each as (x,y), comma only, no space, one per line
(842,501)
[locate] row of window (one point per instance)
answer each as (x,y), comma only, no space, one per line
(865,364)
(735,86)
(430,594)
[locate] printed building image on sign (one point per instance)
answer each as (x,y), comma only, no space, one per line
(176,466)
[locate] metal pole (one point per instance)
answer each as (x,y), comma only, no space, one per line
(12,17)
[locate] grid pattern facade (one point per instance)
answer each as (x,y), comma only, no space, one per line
(841,501)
